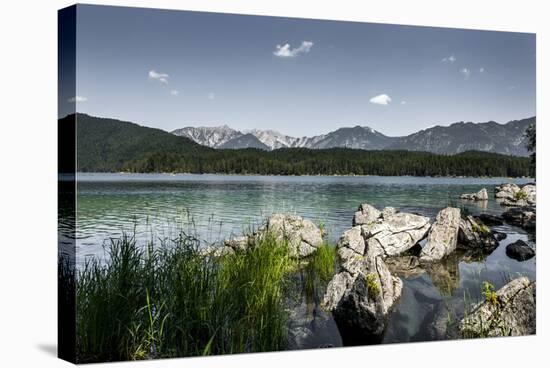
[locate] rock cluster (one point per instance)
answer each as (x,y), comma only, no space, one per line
(479,196)
(449,232)
(302,236)
(525,217)
(363,291)
(510,311)
(512,195)
(362,294)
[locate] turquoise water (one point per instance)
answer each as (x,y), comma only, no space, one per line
(218,206)
(215,207)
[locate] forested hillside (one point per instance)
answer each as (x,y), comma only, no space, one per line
(107,145)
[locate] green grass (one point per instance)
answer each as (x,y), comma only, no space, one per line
(489,292)
(480,229)
(170,300)
(520,195)
(323,262)
(372,286)
(319,270)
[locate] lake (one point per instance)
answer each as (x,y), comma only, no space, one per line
(215,207)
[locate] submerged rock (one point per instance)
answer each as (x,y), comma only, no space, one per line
(309,326)
(405,266)
(445,274)
(499,235)
(490,220)
(510,311)
(475,235)
(479,196)
(525,217)
(520,251)
(443,235)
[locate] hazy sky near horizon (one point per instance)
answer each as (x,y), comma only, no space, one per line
(171,69)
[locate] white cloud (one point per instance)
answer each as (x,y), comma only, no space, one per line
(403,102)
(211,96)
(77,99)
(465,72)
(449,59)
(174,92)
(482,70)
(285,51)
(161,77)
(382,99)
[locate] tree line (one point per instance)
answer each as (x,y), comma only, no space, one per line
(108,145)
(336,161)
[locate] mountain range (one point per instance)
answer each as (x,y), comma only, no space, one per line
(459,137)
(110,145)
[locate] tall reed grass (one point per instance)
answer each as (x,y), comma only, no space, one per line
(171,300)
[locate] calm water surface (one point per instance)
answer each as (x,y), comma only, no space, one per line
(218,206)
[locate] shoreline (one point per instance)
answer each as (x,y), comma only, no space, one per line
(303,175)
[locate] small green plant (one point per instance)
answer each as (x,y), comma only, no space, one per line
(488,290)
(480,228)
(372,286)
(520,195)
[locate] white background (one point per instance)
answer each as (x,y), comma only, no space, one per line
(28,209)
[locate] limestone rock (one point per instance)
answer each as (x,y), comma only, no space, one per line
(240,243)
(479,196)
(365,215)
(302,235)
(353,240)
(474,234)
(336,288)
(394,233)
(443,235)
(364,308)
(512,312)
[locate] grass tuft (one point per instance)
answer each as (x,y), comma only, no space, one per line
(372,286)
(170,300)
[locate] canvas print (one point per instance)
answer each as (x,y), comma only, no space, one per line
(241,184)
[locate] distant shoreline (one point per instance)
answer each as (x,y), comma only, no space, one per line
(304,175)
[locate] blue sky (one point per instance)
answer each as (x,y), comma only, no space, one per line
(170,69)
